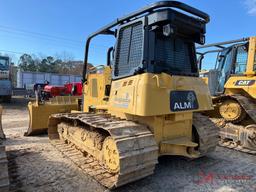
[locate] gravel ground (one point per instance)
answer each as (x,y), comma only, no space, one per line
(34,165)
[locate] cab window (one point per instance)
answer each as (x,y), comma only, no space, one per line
(241,59)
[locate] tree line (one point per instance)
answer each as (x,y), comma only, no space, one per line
(50,64)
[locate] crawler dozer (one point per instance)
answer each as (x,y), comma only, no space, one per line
(145,102)
(4,176)
(232,83)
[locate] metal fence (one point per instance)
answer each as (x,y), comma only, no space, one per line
(26,79)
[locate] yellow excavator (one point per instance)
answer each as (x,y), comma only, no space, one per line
(4,176)
(145,102)
(232,83)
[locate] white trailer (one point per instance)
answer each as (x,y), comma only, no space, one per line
(26,79)
(5,79)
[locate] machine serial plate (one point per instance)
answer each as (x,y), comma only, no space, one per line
(183,100)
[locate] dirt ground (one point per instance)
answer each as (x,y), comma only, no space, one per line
(34,165)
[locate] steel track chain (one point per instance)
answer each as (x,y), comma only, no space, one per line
(208,133)
(235,146)
(138,157)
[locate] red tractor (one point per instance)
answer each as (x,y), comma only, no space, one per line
(54,90)
(75,88)
(46,91)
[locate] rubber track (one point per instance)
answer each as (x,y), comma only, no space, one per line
(137,149)
(208,133)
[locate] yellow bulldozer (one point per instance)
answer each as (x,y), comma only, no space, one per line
(232,83)
(4,176)
(145,102)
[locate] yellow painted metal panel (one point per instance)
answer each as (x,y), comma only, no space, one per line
(251,63)
(232,88)
(149,94)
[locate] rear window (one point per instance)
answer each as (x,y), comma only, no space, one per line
(129,49)
(175,55)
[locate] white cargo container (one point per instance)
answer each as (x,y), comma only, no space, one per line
(26,79)
(5,79)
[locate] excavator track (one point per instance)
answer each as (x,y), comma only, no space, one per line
(208,133)
(137,150)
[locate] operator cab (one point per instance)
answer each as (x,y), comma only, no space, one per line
(162,41)
(157,39)
(4,63)
(230,60)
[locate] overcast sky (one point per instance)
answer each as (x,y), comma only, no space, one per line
(56,26)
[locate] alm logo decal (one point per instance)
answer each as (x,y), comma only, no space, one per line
(183,100)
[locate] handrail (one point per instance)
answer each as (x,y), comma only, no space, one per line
(223,43)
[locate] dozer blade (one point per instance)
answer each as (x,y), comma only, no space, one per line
(39,113)
(4,177)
